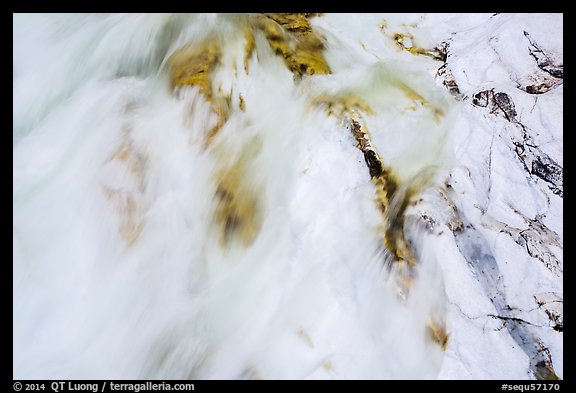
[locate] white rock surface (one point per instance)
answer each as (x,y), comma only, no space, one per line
(102,144)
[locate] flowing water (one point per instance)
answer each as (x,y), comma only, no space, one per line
(224,196)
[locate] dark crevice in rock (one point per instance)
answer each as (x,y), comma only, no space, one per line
(392,199)
(544,62)
(536,248)
(538,163)
(442,51)
(477,252)
(482,98)
(449,81)
(552,304)
(546,169)
(504,102)
(512,319)
(549,75)
(535,161)
(536,239)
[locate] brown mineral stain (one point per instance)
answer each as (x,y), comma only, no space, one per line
(193,66)
(342,104)
(306,337)
(122,153)
(417,98)
(413,94)
(291,37)
(133,223)
(237,208)
(131,213)
(133,159)
(249,47)
(221,107)
(545,372)
(128,203)
(382,26)
(437,332)
(405,42)
(387,186)
(251,373)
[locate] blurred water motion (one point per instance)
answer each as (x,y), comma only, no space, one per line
(222,196)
